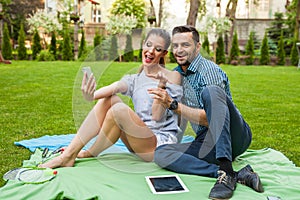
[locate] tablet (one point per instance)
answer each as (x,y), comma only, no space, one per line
(166,184)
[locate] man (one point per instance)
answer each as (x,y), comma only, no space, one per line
(222,133)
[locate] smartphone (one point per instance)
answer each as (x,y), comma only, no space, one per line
(87,70)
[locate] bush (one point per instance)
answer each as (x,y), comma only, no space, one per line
(220,51)
(113,51)
(294,54)
(250,49)
(6,45)
(280,51)
(45,55)
(22,53)
(52,48)
(67,53)
(82,48)
(97,47)
(36,46)
(235,51)
(128,55)
(264,52)
(205,45)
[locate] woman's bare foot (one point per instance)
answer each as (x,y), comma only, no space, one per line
(84,154)
(59,161)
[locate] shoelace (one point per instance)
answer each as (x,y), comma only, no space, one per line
(222,178)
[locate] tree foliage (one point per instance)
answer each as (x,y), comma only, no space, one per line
(294,54)
(235,51)
(128,52)
(264,51)
(67,53)
(97,46)
(220,51)
(250,49)
(113,51)
(16,12)
(280,51)
(22,52)
(6,45)
(136,8)
(82,47)
(36,46)
(205,44)
(52,48)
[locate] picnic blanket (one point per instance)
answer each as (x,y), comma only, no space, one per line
(122,176)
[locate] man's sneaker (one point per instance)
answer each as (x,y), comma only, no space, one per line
(224,187)
(248,177)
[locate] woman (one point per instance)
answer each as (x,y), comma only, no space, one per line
(142,130)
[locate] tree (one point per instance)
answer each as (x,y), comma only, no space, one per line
(280,51)
(205,44)
(196,7)
(67,53)
(82,47)
(230,13)
(274,31)
(235,51)
(113,51)
(220,51)
(128,53)
(6,45)
(17,12)
(297,25)
(22,51)
(250,49)
(36,46)
(294,54)
(47,22)
(264,51)
(97,47)
(136,9)
(121,24)
(52,48)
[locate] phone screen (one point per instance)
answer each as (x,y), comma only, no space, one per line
(87,70)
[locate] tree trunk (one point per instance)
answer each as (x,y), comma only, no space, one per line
(297,35)
(160,13)
(230,13)
(193,13)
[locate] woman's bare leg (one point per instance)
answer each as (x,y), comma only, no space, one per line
(121,121)
(88,130)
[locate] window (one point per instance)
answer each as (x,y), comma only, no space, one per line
(96,17)
(263,5)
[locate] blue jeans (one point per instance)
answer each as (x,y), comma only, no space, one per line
(228,136)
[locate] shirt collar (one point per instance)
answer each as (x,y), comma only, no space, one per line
(192,68)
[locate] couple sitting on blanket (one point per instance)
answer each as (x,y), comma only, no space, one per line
(197,91)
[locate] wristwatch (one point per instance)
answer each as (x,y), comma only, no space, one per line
(173,105)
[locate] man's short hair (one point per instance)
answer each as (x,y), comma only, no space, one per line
(186,29)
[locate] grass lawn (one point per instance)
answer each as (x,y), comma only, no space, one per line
(36,100)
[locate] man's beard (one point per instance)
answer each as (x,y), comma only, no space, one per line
(186,63)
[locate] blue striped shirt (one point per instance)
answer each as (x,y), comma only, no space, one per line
(201,73)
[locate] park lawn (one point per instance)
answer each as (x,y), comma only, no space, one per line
(37,99)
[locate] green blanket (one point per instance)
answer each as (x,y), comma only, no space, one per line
(122,176)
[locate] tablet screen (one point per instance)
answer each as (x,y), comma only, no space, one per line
(166,184)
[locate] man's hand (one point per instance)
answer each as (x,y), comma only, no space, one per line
(88,87)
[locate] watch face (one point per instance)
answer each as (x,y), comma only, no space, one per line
(173,105)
